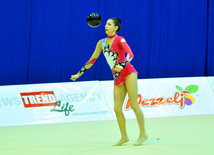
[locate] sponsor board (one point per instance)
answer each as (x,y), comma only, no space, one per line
(93,100)
(53,103)
(173,97)
(169,97)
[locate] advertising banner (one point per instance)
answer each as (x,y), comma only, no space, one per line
(94,100)
(211,82)
(52,103)
(169,97)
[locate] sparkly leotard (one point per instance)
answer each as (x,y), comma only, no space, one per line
(116,55)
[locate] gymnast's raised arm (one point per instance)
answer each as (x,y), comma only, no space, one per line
(90,62)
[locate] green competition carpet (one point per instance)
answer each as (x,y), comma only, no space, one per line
(185,135)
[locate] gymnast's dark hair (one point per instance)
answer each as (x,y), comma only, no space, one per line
(117,22)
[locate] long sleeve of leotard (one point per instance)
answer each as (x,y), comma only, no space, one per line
(126,48)
(88,64)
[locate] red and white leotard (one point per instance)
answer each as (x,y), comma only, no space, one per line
(116,55)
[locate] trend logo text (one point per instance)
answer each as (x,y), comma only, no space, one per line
(38,99)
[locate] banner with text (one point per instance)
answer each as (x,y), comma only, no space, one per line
(169,97)
(52,103)
(93,100)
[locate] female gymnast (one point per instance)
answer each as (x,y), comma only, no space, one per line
(125,76)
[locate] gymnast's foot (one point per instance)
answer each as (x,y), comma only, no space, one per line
(141,140)
(122,141)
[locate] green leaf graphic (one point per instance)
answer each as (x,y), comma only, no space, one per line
(179,88)
(192,88)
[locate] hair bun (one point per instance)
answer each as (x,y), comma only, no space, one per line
(120,21)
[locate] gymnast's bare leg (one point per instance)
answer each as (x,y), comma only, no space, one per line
(119,96)
(131,87)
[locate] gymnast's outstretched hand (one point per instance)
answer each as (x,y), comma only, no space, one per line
(74,77)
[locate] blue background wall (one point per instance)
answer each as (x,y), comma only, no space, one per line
(44,41)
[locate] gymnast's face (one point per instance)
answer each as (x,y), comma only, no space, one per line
(110,27)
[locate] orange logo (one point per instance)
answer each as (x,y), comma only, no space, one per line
(181,98)
(38,99)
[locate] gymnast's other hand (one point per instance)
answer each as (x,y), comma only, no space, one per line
(118,68)
(74,77)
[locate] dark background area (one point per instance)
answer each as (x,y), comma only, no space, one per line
(44,41)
